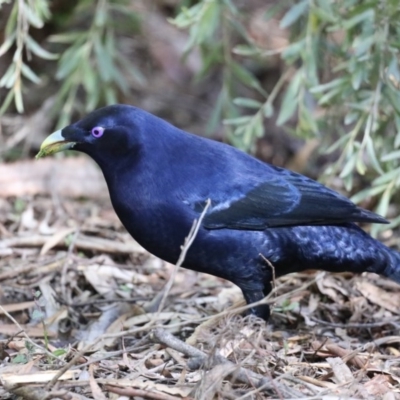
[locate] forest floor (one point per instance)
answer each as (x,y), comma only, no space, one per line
(83,314)
(82,307)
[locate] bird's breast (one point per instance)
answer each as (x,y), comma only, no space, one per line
(159,226)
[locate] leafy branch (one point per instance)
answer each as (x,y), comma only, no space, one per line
(24,14)
(341,85)
(92,61)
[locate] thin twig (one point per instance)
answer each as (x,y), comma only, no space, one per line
(272,269)
(238,310)
(22,330)
(241,374)
(185,248)
(64,270)
(376,324)
(67,366)
(145,394)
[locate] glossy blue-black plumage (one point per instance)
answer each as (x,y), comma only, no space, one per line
(159,178)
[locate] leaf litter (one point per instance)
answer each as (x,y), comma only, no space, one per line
(80,319)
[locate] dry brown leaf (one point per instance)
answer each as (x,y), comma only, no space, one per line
(83,242)
(391,396)
(229,347)
(162,316)
(329,286)
(346,355)
(387,300)
(28,220)
(104,277)
(316,382)
(142,383)
(115,327)
(55,239)
(17,307)
(18,369)
(378,385)
(33,331)
(96,390)
(98,327)
(36,377)
(340,370)
(227,297)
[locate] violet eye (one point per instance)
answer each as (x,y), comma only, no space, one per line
(97,131)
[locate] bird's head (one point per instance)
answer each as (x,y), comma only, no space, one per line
(107,132)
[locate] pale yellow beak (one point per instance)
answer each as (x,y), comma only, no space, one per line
(53,144)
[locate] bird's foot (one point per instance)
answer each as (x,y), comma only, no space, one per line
(262,311)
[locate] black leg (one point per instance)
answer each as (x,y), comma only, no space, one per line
(261,311)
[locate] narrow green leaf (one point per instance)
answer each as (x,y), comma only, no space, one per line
(237,121)
(372,156)
(67,37)
(368,14)
(327,97)
(103,58)
(6,103)
(131,70)
(386,177)
(9,77)
(290,100)
(293,51)
(329,85)
(59,352)
(383,205)
(110,95)
(38,50)
(32,16)
(268,110)
(70,60)
(349,166)
(360,165)
(339,143)
(394,155)
(247,103)
(12,20)
(216,115)
(362,45)
(19,104)
(245,50)
(367,193)
(246,77)
(294,13)
(258,126)
(351,117)
(357,78)
(7,44)
(19,359)
(29,74)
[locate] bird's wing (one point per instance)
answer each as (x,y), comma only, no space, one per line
(285,200)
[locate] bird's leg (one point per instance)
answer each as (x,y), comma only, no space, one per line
(262,310)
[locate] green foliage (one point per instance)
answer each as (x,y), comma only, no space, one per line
(24,15)
(92,61)
(341,83)
(213,25)
(349,69)
(91,67)
(20,359)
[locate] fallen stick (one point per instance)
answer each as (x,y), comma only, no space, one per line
(199,358)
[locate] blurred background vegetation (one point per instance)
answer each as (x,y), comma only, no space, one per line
(308,84)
